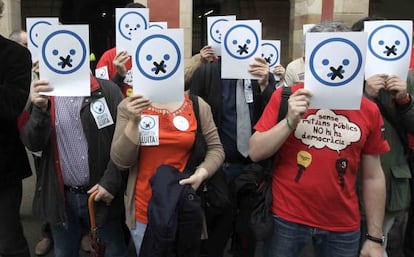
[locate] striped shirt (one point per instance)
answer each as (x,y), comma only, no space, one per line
(71,141)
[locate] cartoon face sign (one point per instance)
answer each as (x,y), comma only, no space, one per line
(332,69)
(241,41)
(98,107)
(388,42)
(131,22)
(215,31)
(64,58)
(34,34)
(270,54)
(156,64)
(147,123)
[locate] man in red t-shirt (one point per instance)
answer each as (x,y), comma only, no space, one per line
(118,65)
(318,155)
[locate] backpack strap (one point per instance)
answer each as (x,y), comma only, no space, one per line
(199,148)
(286,92)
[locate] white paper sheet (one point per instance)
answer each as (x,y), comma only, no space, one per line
(34,36)
(64,59)
(240,45)
(389,47)
(214,31)
(158,66)
(129,21)
(334,69)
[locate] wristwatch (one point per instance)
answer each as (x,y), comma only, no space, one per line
(378,240)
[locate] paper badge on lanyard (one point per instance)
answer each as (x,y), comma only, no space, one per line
(149,130)
(101,113)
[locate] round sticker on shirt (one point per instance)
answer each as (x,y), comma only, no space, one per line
(181,123)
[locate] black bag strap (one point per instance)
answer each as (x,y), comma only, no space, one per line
(199,149)
(283,109)
(286,92)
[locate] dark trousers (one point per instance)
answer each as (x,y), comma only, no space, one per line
(227,224)
(12,240)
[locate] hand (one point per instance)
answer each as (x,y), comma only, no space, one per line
(207,54)
(279,70)
(102,195)
(374,84)
(119,61)
(260,69)
(38,99)
(196,179)
(35,68)
(298,105)
(136,104)
(371,249)
(396,86)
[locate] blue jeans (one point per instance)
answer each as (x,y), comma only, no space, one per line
(67,240)
(290,238)
(137,235)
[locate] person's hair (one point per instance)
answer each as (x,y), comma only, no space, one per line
(330,26)
(15,35)
(135,5)
(1,7)
(359,25)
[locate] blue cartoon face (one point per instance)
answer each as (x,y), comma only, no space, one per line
(130,23)
(98,107)
(270,54)
(67,57)
(215,30)
(241,41)
(160,63)
(388,42)
(147,123)
(334,69)
(34,32)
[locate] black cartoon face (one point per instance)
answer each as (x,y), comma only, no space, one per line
(130,23)
(333,69)
(336,72)
(241,41)
(67,57)
(388,42)
(160,63)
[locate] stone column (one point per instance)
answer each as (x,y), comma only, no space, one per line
(310,12)
(11,17)
(302,12)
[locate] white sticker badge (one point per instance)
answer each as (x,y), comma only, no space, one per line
(181,123)
(101,113)
(149,130)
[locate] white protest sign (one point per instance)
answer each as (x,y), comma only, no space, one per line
(271,52)
(214,31)
(34,35)
(64,59)
(157,65)
(158,25)
(129,21)
(389,47)
(334,69)
(240,45)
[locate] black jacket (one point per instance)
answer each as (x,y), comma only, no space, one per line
(206,82)
(38,134)
(174,217)
(15,77)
